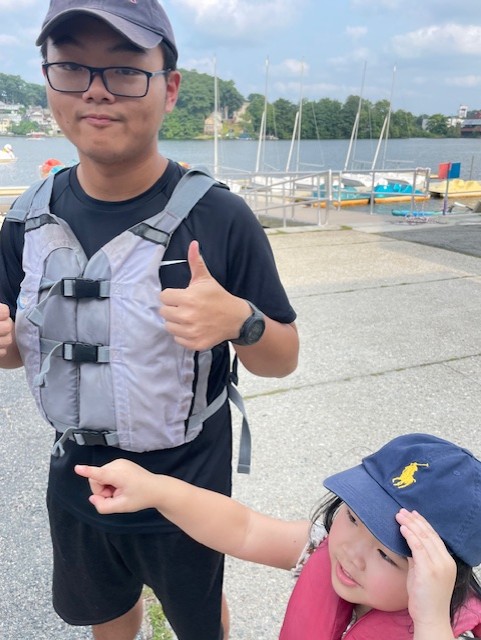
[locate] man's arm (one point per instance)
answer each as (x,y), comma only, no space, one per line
(9,354)
(205,314)
(212,519)
(276,353)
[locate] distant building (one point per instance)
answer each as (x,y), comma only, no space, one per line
(211,122)
(471,128)
(462,111)
(454,121)
(240,114)
(10,114)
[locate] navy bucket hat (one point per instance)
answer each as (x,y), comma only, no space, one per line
(143,22)
(421,472)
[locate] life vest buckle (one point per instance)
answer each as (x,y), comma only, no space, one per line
(80,352)
(81,288)
(85,437)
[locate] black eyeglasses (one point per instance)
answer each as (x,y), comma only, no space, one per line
(125,82)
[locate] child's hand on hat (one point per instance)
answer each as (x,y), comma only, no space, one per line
(431,577)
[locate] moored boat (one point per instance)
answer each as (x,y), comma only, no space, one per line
(398,192)
(50,166)
(12,192)
(344,196)
(7,154)
(456,187)
(407,213)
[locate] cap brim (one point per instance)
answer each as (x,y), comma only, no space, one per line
(138,35)
(373,506)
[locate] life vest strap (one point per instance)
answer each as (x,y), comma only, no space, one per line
(85,437)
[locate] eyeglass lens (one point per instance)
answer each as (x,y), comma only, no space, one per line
(123,81)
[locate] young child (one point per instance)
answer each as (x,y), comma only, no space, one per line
(380,568)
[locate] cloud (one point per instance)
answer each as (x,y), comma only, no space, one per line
(437,39)
(464,81)
(289,67)
(202,65)
(290,90)
(356,32)
(8,40)
(442,11)
(378,4)
(13,7)
(356,55)
(240,20)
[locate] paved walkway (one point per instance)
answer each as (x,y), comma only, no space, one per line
(389,326)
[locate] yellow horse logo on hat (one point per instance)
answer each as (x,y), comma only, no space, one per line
(407,475)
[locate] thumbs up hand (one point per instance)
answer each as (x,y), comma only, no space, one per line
(198,269)
(204,314)
(6,329)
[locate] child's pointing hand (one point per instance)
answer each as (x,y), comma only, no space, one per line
(118,487)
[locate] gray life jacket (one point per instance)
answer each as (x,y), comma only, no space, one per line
(99,362)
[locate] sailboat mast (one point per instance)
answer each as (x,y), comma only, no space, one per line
(379,142)
(216,122)
(296,131)
(299,124)
(291,148)
(355,127)
(262,132)
(389,117)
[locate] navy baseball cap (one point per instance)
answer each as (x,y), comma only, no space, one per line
(421,472)
(143,22)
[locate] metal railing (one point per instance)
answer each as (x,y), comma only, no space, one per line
(310,197)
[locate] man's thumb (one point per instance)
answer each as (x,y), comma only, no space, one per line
(4,311)
(198,268)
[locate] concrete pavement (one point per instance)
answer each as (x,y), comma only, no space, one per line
(389,327)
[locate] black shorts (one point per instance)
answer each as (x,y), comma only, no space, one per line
(99,576)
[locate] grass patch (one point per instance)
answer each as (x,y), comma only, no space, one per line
(155,617)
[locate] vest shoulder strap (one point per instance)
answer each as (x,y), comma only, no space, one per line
(35,198)
(189,190)
(193,185)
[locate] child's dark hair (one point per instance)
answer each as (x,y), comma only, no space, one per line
(466,581)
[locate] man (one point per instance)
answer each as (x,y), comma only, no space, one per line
(110,69)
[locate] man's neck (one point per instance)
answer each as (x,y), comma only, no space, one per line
(116,183)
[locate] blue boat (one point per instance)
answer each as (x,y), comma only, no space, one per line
(407,213)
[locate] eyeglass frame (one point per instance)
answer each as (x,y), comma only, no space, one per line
(100,71)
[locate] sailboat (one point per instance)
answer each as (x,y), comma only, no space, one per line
(397,186)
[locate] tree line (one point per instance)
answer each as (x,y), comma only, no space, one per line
(322,119)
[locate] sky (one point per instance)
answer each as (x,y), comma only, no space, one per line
(423,55)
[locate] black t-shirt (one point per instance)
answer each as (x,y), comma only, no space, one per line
(238,255)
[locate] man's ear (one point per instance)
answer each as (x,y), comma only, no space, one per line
(173,85)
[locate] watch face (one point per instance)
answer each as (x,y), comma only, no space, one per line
(255,331)
(252,329)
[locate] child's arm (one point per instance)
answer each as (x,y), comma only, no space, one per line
(210,518)
(431,578)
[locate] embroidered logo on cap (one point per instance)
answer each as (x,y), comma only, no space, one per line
(407,475)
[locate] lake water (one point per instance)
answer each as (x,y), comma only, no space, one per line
(242,154)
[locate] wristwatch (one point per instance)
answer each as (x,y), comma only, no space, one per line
(252,329)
